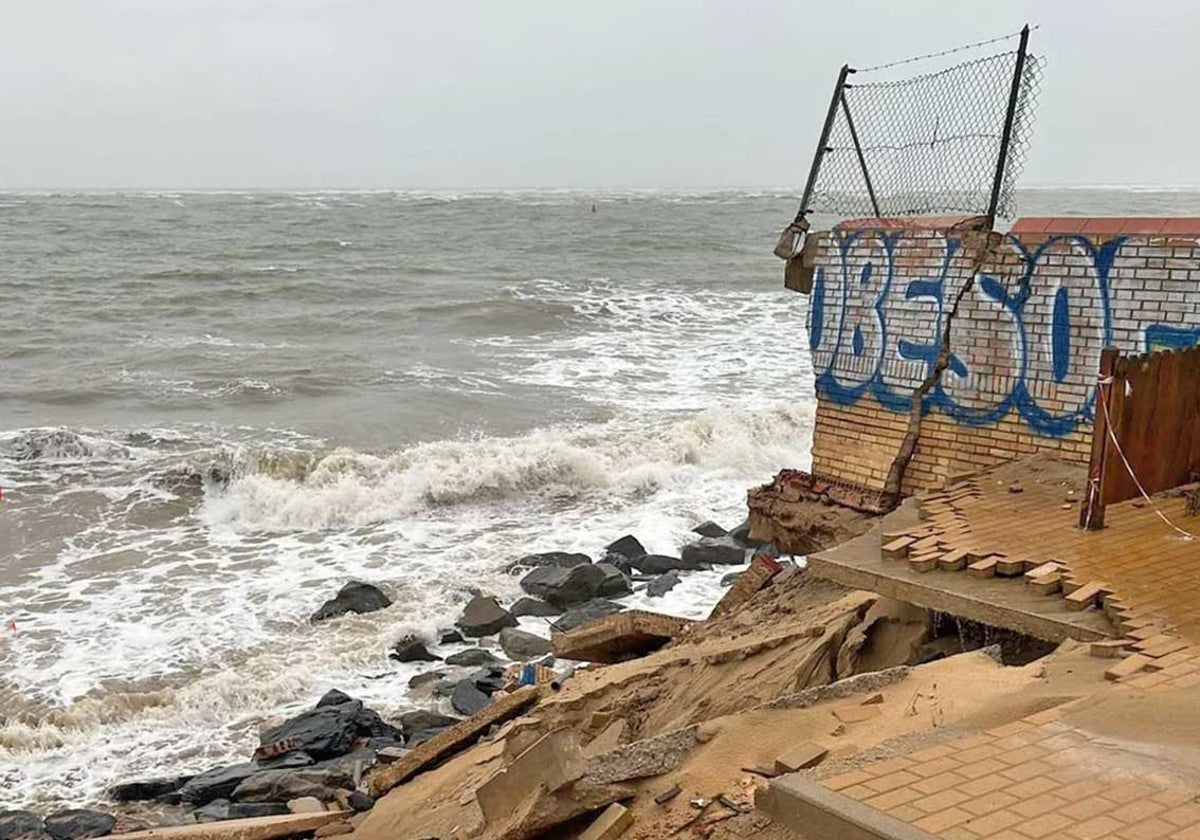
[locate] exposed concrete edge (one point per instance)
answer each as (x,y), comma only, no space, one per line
(251,828)
(857,684)
(934,598)
(804,806)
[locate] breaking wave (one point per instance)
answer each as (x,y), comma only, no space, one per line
(346,488)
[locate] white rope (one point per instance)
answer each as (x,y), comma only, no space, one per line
(1187,535)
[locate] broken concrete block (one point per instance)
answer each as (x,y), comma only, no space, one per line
(553,762)
(797,758)
(856,714)
(333,829)
(641,759)
(253,828)
(873,700)
(620,636)
(609,825)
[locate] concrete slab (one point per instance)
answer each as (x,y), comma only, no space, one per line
(617,637)
(384,777)
(257,828)
(997,601)
(804,806)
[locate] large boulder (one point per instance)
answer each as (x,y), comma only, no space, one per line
(662,584)
(596,608)
(615,582)
(324,732)
(562,559)
(709,529)
(368,723)
(519,645)
(714,551)
(217,783)
(143,789)
(421,720)
(473,657)
(21,825)
(657,564)
(79,823)
(742,535)
(355,597)
(468,699)
(483,616)
(626,548)
(282,785)
(532,606)
(411,649)
(286,761)
(565,588)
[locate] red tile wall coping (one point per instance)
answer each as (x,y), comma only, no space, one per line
(914,223)
(1110,225)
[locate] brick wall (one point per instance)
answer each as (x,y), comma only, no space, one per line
(1035,309)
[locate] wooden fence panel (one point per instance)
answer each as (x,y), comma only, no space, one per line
(1155,413)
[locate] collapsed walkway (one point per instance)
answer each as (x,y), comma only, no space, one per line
(1117,760)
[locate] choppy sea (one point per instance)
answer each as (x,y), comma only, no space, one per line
(413,389)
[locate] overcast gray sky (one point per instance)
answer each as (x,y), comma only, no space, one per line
(516,93)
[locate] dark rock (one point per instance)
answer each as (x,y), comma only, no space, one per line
(360,801)
(473,657)
(144,789)
(657,564)
(355,597)
(214,811)
(78,823)
(21,825)
(615,583)
(717,551)
(709,529)
(489,679)
(662,584)
(727,580)
(286,761)
(519,645)
(533,606)
(369,724)
(627,547)
(250,810)
(468,699)
(596,608)
(282,785)
(424,735)
(333,697)
(451,637)
(562,559)
(565,588)
(445,687)
(413,723)
(483,616)
(217,783)
(411,649)
(427,677)
(223,809)
(325,732)
(339,772)
(742,535)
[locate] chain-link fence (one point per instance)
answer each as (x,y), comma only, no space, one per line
(932,142)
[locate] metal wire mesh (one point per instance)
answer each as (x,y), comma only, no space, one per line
(930,142)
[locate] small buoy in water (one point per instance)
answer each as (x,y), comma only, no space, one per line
(593,207)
